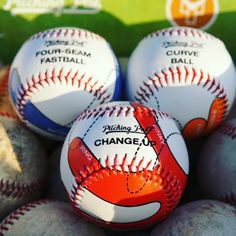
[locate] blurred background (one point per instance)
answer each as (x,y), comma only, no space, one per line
(123,23)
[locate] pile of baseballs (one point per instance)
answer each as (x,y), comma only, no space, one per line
(91,147)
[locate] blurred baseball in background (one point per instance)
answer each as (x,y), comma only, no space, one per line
(23,166)
(217,164)
(203,217)
(47,217)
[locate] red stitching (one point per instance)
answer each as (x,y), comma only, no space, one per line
(112,164)
(228,197)
(66,32)
(228,130)
(4,84)
(43,79)
(117,111)
(172,188)
(16,215)
(17,190)
(183,31)
(84,173)
(210,84)
(9,115)
(162,177)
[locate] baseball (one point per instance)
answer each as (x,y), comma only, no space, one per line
(202,217)
(57,74)
(22,166)
(217,164)
(6,109)
(46,217)
(186,73)
(129,175)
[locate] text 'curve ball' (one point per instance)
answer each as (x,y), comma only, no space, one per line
(186,73)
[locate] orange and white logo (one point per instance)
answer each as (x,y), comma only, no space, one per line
(192,13)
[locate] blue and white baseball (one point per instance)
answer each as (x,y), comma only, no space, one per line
(59,73)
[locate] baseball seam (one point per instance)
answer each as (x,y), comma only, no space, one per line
(9,115)
(4,85)
(71,32)
(227,130)
(18,190)
(124,166)
(93,173)
(228,197)
(184,31)
(139,146)
(118,111)
(42,80)
(109,111)
(170,185)
(181,76)
(17,214)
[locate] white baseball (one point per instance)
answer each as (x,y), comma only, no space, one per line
(217,164)
(185,72)
(57,74)
(47,217)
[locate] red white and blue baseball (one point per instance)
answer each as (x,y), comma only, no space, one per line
(124,165)
(57,74)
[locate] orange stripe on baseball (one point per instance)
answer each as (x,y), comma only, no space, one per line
(217,113)
(194,128)
(200,126)
(80,157)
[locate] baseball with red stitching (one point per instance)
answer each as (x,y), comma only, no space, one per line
(57,74)
(217,164)
(124,165)
(186,73)
(47,217)
(23,166)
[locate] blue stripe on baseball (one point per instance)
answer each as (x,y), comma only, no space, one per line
(118,83)
(36,118)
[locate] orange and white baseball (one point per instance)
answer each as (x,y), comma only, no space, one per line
(186,73)
(124,165)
